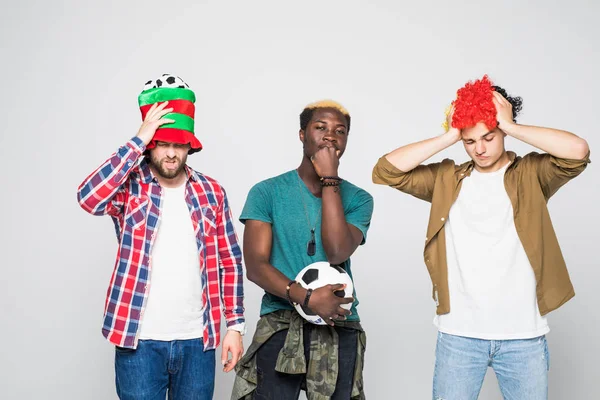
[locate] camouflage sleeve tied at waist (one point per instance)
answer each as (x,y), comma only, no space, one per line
(322,370)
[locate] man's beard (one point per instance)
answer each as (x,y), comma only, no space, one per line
(164,172)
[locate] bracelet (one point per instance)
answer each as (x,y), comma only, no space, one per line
(334,183)
(308,293)
(287,292)
(333,178)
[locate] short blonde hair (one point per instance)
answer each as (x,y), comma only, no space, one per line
(328,104)
(308,111)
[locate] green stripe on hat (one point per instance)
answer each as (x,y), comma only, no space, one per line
(182,121)
(158,95)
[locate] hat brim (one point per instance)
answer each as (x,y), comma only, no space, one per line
(172,135)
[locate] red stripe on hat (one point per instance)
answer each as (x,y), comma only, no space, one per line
(179,106)
(171,135)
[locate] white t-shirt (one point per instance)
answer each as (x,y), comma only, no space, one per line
(174,305)
(492,285)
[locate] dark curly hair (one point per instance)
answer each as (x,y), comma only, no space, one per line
(307,114)
(516,102)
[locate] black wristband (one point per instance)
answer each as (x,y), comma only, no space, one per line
(287,292)
(308,293)
(334,183)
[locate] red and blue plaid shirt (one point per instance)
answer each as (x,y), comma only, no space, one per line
(124,188)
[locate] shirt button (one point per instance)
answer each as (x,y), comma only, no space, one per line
(443,219)
(425,239)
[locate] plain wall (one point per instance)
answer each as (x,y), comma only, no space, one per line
(72,71)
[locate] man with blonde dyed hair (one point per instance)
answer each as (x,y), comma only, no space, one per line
(295,219)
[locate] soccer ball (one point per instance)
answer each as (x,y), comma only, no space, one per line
(167,81)
(320,274)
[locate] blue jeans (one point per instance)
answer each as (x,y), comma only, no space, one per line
(521,367)
(180,367)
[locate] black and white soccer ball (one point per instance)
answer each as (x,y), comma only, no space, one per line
(168,81)
(317,275)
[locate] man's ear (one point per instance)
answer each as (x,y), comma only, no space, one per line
(301,135)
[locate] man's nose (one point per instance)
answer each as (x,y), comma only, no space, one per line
(171,151)
(480,147)
(330,136)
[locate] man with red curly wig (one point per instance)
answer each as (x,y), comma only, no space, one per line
(492,254)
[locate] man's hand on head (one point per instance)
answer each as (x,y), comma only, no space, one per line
(453,134)
(504,112)
(154,119)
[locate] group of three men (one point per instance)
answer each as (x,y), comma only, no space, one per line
(490,249)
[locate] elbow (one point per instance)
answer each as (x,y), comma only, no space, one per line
(82,203)
(374,176)
(79,196)
(85,201)
(339,251)
(582,149)
(337,260)
(251,274)
(336,256)
(90,209)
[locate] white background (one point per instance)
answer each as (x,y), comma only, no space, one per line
(71,72)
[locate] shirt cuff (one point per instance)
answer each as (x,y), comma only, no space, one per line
(241,328)
(137,144)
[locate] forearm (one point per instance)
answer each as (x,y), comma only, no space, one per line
(232,291)
(96,191)
(561,144)
(231,273)
(273,281)
(338,242)
(408,157)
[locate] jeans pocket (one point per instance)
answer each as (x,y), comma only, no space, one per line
(440,335)
(546,353)
(345,330)
(123,350)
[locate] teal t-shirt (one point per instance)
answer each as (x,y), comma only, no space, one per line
(279,202)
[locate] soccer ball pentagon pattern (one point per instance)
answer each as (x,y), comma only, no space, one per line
(317,275)
(166,80)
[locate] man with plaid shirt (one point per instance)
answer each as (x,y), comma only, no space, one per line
(178,262)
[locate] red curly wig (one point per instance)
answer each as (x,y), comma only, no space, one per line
(474,104)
